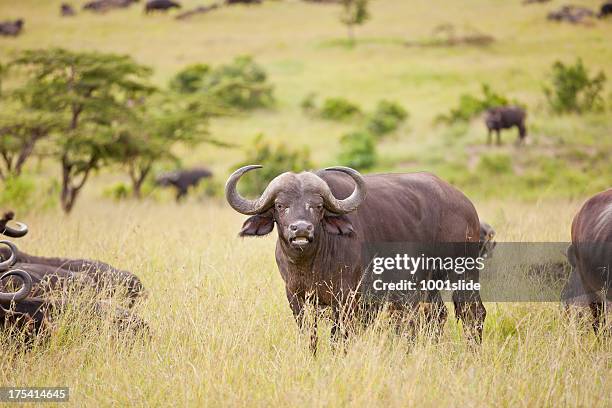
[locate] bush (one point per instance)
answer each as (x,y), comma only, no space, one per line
(308,104)
(386,118)
(470,106)
(23,194)
(276,159)
(118,192)
(572,89)
(190,79)
(241,84)
(339,109)
(358,150)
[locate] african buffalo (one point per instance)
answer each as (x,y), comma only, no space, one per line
(324,222)
(160,5)
(590,255)
(102,6)
(66,10)
(571,14)
(55,273)
(505,117)
(11,28)
(182,180)
(230,2)
(605,10)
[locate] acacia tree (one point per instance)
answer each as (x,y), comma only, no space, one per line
(20,131)
(354,12)
(162,123)
(90,94)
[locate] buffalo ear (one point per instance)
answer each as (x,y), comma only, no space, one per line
(338,225)
(257,225)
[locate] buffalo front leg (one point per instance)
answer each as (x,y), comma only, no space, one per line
(472,313)
(498,137)
(307,322)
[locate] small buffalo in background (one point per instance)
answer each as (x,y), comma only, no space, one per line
(605,10)
(230,2)
(182,180)
(571,14)
(101,6)
(11,28)
(160,5)
(506,117)
(66,10)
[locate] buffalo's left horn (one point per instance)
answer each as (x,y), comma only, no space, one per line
(4,265)
(15,232)
(352,202)
(26,286)
(250,207)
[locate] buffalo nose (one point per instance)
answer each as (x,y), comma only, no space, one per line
(301,226)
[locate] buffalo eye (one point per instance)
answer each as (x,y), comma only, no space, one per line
(279,206)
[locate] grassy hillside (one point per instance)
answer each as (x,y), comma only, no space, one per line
(303,48)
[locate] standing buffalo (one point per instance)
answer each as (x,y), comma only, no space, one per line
(11,28)
(66,10)
(605,10)
(160,5)
(102,6)
(324,222)
(590,255)
(505,117)
(182,180)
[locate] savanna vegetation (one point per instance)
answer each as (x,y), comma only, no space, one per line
(281,85)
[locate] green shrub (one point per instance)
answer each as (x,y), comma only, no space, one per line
(386,118)
(572,90)
(118,192)
(190,79)
(275,159)
(358,150)
(308,104)
(241,84)
(23,194)
(339,109)
(470,106)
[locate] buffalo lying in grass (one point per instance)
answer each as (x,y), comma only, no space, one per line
(325,218)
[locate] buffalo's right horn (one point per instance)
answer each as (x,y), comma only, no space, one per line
(26,286)
(243,205)
(4,265)
(13,232)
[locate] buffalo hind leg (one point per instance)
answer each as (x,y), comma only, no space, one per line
(472,313)
(305,321)
(599,317)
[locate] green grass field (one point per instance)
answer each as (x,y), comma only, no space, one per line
(222,333)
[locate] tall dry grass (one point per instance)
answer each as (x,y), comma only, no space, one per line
(223,335)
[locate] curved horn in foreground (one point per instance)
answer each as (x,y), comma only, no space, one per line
(15,232)
(243,205)
(26,286)
(352,202)
(4,265)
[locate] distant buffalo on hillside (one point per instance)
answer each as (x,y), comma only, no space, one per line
(11,28)
(182,180)
(160,5)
